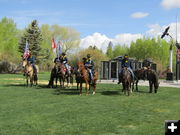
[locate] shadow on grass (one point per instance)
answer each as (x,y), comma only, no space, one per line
(111,93)
(66,91)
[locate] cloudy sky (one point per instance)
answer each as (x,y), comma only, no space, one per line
(99,21)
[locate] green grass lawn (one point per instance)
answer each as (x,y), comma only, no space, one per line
(39,110)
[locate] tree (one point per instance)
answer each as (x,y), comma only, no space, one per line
(97,57)
(109,52)
(69,36)
(120,50)
(8,40)
(33,36)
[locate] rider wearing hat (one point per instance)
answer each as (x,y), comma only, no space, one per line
(31,59)
(64,60)
(89,64)
(125,63)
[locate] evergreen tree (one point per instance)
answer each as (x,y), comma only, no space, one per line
(109,52)
(33,36)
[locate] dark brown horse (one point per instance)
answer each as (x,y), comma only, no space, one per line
(126,81)
(139,75)
(59,72)
(153,80)
(83,76)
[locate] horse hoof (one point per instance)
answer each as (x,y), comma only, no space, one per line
(80,94)
(86,94)
(94,93)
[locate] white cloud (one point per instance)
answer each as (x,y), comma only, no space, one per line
(169,4)
(126,38)
(101,41)
(155,30)
(139,15)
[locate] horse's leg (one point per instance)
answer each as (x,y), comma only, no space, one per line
(155,89)
(80,89)
(67,79)
(27,81)
(128,88)
(77,86)
(150,86)
(131,87)
(31,80)
(123,87)
(94,88)
(137,85)
(56,80)
(87,88)
(71,80)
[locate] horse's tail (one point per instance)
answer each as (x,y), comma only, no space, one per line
(156,82)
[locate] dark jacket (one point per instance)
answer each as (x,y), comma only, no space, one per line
(126,63)
(31,59)
(89,63)
(64,59)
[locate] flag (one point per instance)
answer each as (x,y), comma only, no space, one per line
(26,50)
(59,48)
(54,46)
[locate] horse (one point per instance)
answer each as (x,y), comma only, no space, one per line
(139,75)
(54,75)
(29,73)
(69,76)
(126,80)
(60,72)
(84,77)
(153,80)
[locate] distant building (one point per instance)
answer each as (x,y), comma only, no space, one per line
(110,69)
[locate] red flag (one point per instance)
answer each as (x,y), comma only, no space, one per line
(53,44)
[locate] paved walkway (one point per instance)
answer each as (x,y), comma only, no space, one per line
(163,83)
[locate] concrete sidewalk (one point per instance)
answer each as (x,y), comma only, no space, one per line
(163,83)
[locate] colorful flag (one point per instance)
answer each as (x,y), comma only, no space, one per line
(54,45)
(59,48)
(26,50)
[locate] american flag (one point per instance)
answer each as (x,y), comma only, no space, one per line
(26,50)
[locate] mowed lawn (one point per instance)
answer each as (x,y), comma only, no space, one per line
(39,110)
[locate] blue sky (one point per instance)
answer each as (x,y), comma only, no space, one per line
(108,18)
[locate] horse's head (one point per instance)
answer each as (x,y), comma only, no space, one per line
(62,69)
(81,67)
(24,63)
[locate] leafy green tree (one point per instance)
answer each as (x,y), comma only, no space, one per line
(33,36)
(69,36)
(8,40)
(120,50)
(97,56)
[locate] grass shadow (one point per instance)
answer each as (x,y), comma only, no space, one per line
(14,85)
(111,93)
(68,91)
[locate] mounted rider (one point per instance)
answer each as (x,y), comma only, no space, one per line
(31,60)
(89,64)
(64,60)
(125,63)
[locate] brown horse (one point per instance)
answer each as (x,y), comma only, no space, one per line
(61,74)
(126,81)
(153,80)
(139,75)
(85,78)
(29,73)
